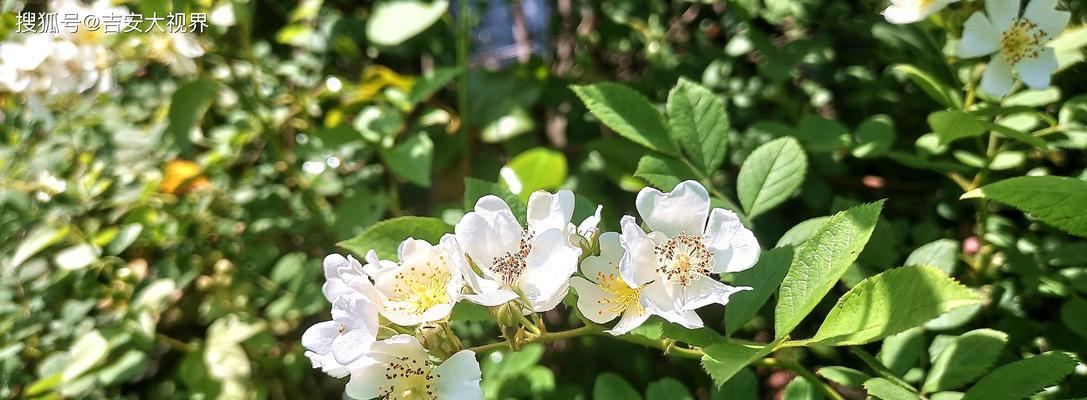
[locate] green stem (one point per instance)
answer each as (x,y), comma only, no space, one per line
(802,372)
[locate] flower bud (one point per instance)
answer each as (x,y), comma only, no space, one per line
(507,314)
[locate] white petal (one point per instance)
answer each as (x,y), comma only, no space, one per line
(656,299)
(328,364)
(492,297)
(351,346)
(608,261)
(590,224)
(1045,15)
(683,210)
(459,377)
(366,381)
(1036,72)
(997,80)
(548,267)
(548,304)
(734,246)
(401,346)
(434,313)
(639,263)
(1002,13)
(591,301)
(704,291)
(631,319)
(550,211)
(318,338)
(979,37)
(485,236)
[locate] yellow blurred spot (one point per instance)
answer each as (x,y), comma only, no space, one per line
(378,77)
(181,176)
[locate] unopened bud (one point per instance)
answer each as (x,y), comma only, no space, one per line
(507,314)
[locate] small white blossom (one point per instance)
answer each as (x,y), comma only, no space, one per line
(910,11)
(1018,44)
(683,251)
(534,263)
(423,286)
(339,346)
(401,371)
(603,295)
(177,51)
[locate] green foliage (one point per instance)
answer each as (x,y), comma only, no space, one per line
(891,302)
(966,358)
(770,175)
(1023,378)
(612,387)
(699,124)
(384,237)
(629,114)
(1055,200)
(820,262)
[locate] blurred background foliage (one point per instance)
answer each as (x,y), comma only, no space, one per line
(163,237)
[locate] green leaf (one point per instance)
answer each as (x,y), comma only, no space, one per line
(470,312)
(722,361)
(800,389)
(663,172)
(128,366)
(891,302)
(1056,200)
(764,280)
(821,261)
(610,386)
(187,106)
(965,359)
(629,114)
(37,240)
(384,237)
(902,351)
(942,254)
(411,158)
(667,389)
(431,83)
(744,385)
(1024,377)
(883,389)
(801,232)
(770,175)
(821,135)
(124,238)
(939,91)
(87,352)
(699,123)
(844,376)
(1074,315)
(700,337)
(393,22)
(952,125)
(535,169)
(1013,133)
(874,137)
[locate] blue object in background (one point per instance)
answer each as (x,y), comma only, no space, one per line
(494,39)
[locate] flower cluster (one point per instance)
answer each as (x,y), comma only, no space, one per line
(494,261)
(1017,42)
(68,61)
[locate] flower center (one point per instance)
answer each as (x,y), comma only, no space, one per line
(1021,41)
(409,379)
(621,297)
(420,288)
(683,259)
(509,267)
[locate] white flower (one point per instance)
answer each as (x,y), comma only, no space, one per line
(345,276)
(1017,43)
(425,284)
(605,295)
(339,346)
(682,251)
(402,371)
(534,263)
(176,50)
(910,11)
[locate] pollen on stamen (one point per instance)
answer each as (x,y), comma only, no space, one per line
(683,258)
